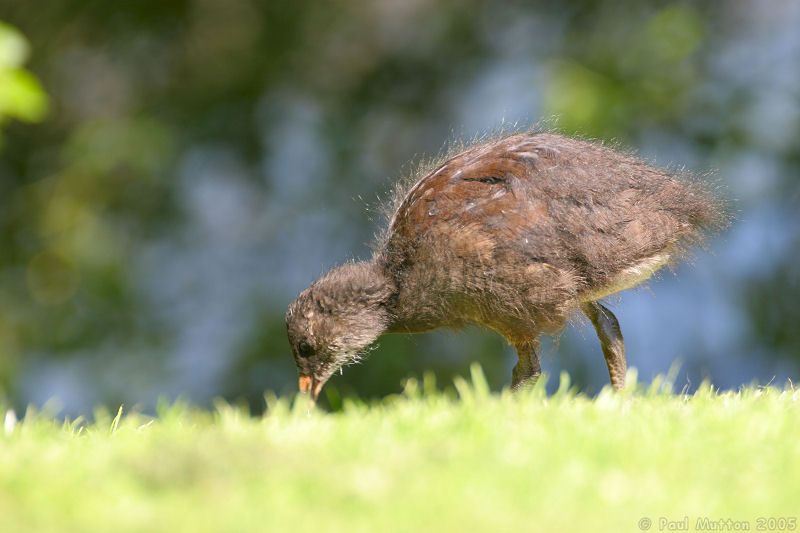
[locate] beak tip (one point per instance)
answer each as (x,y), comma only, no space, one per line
(310,385)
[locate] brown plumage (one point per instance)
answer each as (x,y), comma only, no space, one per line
(515,234)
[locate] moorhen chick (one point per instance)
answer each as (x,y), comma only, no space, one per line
(515,235)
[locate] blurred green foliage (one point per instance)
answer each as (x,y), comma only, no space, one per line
(21,94)
(639,73)
(22,98)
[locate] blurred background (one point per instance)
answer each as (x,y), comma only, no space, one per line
(173,173)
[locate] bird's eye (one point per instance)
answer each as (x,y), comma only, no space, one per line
(304,349)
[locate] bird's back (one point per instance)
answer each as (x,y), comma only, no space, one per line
(542,221)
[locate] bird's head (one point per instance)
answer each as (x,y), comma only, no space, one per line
(334,321)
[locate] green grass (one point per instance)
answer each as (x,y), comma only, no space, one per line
(422,461)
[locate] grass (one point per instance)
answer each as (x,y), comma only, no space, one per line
(422,461)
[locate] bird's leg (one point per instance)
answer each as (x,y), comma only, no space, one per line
(528,369)
(607,327)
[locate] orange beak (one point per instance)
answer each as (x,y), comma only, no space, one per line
(309,384)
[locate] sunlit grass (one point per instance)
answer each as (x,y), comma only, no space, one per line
(424,460)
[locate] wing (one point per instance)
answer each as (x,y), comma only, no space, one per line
(478,234)
(481,202)
(546,202)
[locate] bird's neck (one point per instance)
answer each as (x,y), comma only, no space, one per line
(406,306)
